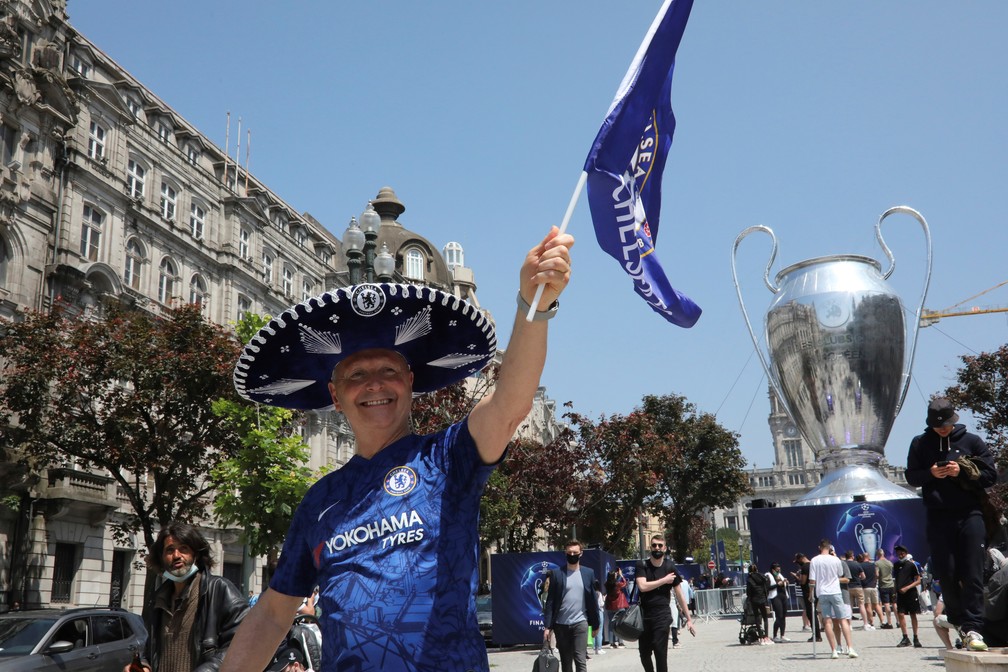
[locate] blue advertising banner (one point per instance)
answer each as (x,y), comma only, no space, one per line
(517,584)
(779,533)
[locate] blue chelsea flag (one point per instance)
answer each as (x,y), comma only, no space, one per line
(626,161)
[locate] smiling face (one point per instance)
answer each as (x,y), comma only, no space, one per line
(374,390)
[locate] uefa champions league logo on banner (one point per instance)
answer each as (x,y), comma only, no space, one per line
(531,587)
(867,527)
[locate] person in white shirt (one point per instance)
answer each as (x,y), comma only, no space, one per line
(825,574)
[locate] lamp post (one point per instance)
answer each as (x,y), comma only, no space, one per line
(384,264)
(369,223)
(353,243)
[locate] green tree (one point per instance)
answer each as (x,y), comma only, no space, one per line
(260,486)
(128,395)
(708,472)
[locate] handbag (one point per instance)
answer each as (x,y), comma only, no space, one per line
(546,661)
(629,623)
(767,610)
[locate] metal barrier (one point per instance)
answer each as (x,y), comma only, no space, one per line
(714,603)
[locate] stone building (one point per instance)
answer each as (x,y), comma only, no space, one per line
(108,196)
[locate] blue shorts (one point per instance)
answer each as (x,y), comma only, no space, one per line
(832,606)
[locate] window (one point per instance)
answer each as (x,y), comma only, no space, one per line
(169,198)
(307,289)
(414,264)
(288,281)
(325,255)
(107,629)
(64,568)
(96,142)
(91,230)
(244,306)
(454,256)
(134,262)
(280,222)
(299,236)
(197,290)
(8,138)
(244,246)
(731,522)
(133,105)
(135,179)
(164,132)
(192,154)
(197,221)
(268,268)
(166,280)
(5,258)
(80,66)
(796,479)
(793,453)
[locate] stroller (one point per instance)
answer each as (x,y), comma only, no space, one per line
(751,624)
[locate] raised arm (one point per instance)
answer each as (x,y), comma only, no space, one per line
(261,632)
(497,416)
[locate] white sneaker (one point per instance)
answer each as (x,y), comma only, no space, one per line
(973,641)
(852,654)
(600,652)
(834,655)
(869,626)
(785,639)
(777,640)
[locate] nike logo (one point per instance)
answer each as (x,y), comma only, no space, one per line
(326,509)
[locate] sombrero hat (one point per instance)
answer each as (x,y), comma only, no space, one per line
(289,362)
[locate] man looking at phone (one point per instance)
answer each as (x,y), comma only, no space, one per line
(954,468)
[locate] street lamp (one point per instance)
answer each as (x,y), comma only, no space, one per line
(353,243)
(384,263)
(369,223)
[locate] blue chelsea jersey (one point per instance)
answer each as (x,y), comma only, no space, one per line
(392,543)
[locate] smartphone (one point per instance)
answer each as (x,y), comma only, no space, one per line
(943,463)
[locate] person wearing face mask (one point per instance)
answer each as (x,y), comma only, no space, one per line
(657,581)
(571,608)
(194,614)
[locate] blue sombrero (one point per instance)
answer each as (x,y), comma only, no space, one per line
(289,362)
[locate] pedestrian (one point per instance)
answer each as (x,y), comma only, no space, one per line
(392,535)
(907,578)
(871,594)
(571,608)
(778,601)
(825,571)
(856,587)
(657,581)
(887,588)
(600,630)
(954,468)
(193,615)
(758,594)
(811,615)
(615,600)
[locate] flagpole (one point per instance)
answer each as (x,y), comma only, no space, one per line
(563,227)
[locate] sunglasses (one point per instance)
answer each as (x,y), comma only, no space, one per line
(657,545)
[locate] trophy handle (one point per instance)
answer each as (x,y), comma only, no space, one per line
(906,210)
(773,288)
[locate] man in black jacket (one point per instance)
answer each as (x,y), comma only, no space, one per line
(658,581)
(954,468)
(571,608)
(193,615)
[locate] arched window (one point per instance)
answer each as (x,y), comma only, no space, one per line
(91,231)
(414,266)
(134,262)
(166,280)
(197,290)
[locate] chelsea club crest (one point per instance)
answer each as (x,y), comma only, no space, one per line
(400,481)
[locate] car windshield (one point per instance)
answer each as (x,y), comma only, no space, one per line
(18,636)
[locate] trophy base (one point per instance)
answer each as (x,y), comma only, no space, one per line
(842,484)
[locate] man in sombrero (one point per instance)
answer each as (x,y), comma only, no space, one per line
(391,538)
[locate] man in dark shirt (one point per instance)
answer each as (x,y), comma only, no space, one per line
(907,579)
(658,581)
(871,595)
(808,595)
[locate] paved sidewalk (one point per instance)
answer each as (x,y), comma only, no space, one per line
(716,649)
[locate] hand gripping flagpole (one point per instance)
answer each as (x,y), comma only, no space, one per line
(563,227)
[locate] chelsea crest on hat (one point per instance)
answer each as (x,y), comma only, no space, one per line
(289,362)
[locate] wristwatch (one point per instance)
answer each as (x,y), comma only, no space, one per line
(540,315)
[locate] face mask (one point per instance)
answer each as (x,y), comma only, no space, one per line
(657,555)
(179,579)
(572,558)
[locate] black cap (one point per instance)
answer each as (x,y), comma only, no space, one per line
(941,413)
(898,547)
(285,657)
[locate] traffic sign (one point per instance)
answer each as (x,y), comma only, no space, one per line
(710,564)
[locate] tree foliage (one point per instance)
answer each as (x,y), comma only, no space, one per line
(982,387)
(128,395)
(261,485)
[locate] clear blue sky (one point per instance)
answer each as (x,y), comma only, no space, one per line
(809,117)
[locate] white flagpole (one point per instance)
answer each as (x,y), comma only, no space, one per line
(563,227)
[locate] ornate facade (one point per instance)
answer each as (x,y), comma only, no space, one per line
(108,196)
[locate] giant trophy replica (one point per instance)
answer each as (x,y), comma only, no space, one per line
(837,359)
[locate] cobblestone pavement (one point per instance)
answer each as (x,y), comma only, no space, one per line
(716,649)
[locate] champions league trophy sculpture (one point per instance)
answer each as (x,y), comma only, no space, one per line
(837,359)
